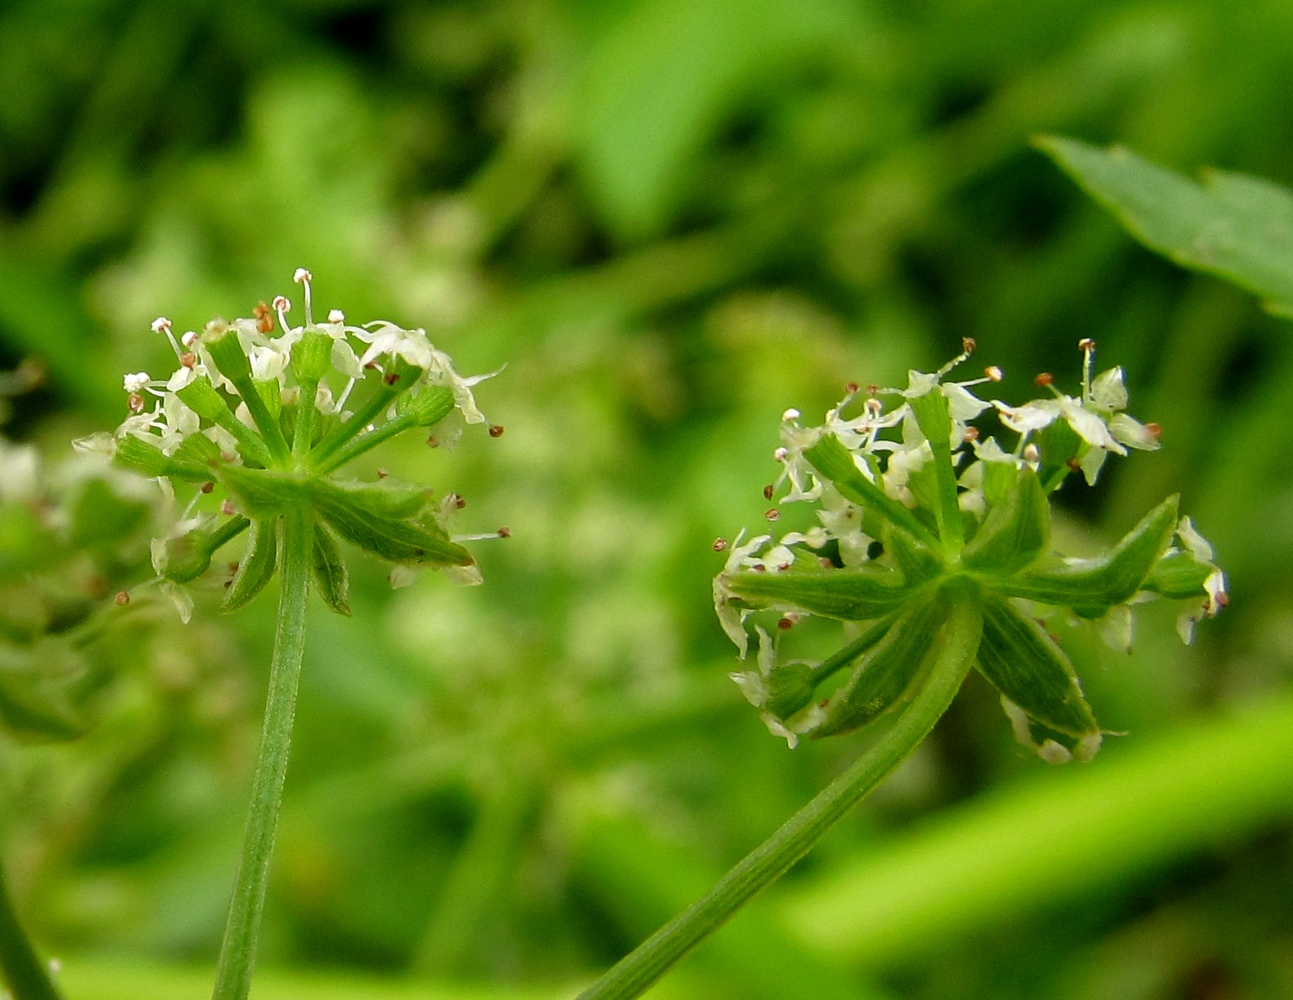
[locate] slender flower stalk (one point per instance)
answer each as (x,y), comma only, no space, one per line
(634,974)
(265,419)
(238,952)
(938,533)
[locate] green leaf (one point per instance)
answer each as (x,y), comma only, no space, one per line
(387,498)
(885,672)
(1091,586)
(1231,225)
(264,493)
(835,462)
(847,594)
(393,539)
(329,569)
(1015,532)
(1024,664)
(256,566)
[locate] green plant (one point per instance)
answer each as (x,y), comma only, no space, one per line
(272,420)
(932,543)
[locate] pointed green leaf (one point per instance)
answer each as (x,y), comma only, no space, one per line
(403,541)
(830,458)
(1237,227)
(387,498)
(1092,585)
(256,566)
(330,574)
(1024,664)
(264,492)
(885,672)
(1014,533)
(848,594)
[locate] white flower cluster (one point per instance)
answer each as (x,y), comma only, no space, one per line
(889,449)
(159,415)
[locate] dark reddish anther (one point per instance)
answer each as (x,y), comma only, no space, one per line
(1044,379)
(767,492)
(968,345)
(432,442)
(505,532)
(264,318)
(1155,431)
(851,388)
(208,487)
(122,598)
(719,544)
(772,514)
(496,430)
(786,623)
(390,378)
(1074,465)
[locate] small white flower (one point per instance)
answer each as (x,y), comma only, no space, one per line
(136,382)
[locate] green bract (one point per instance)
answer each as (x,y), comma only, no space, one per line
(262,424)
(914,507)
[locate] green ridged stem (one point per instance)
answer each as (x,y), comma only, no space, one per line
(635,973)
(238,951)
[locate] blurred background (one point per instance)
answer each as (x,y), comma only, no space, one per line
(671,220)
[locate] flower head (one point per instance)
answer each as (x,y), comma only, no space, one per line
(269,413)
(913,500)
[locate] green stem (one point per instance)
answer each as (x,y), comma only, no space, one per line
(238,951)
(634,974)
(359,445)
(265,421)
(24,974)
(306,415)
(361,418)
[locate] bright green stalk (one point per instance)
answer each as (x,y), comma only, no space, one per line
(25,976)
(361,418)
(265,421)
(635,973)
(238,952)
(357,446)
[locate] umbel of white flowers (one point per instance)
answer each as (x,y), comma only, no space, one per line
(271,412)
(912,498)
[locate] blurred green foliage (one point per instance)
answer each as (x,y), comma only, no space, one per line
(672,221)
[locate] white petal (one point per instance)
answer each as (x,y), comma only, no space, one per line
(1133,433)
(1108,391)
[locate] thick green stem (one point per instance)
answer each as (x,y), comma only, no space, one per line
(25,976)
(634,974)
(238,952)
